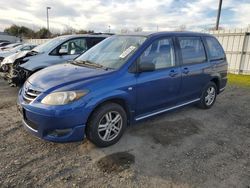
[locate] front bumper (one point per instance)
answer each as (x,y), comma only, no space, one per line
(51,125)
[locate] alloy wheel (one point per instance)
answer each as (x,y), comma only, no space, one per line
(110,126)
(209,99)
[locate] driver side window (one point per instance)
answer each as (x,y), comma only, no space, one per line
(160,53)
(71,47)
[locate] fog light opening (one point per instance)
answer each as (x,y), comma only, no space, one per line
(59,132)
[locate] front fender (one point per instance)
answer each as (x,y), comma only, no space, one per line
(126,96)
(30,66)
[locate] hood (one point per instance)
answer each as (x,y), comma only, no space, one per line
(58,76)
(13,57)
(6,53)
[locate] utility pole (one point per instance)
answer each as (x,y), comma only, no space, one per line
(218,15)
(48,8)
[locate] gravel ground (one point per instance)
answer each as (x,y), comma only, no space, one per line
(186,148)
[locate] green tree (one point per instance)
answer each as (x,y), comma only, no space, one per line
(43,33)
(82,31)
(138,29)
(13,30)
(26,32)
(20,31)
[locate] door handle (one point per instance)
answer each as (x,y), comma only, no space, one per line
(173,73)
(185,70)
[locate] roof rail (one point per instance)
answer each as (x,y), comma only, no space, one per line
(101,33)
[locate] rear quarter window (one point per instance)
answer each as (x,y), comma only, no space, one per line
(192,50)
(215,50)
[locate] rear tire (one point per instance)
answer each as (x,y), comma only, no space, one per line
(208,96)
(106,125)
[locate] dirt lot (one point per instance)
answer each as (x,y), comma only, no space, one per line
(186,148)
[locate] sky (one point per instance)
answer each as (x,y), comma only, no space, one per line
(98,15)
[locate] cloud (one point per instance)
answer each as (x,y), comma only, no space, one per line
(242,14)
(99,14)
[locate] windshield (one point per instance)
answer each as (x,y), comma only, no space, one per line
(17,48)
(48,45)
(112,52)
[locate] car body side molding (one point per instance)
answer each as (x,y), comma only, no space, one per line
(167,109)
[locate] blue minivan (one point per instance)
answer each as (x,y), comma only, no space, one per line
(122,80)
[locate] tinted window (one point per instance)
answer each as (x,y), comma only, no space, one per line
(214,48)
(192,50)
(160,53)
(96,41)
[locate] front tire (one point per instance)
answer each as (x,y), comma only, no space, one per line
(208,96)
(106,125)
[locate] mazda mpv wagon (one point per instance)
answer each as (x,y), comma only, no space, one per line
(122,80)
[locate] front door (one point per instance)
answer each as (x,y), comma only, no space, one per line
(71,48)
(160,88)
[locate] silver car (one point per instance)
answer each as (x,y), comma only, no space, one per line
(9,46)
(19,48)
(54,51)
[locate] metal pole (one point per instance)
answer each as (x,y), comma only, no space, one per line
(218,15)
(47,18)
(47,8)
(243,52)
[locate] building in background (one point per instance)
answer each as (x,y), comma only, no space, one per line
(7,37)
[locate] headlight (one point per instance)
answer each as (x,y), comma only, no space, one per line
(61,98)
(7,61)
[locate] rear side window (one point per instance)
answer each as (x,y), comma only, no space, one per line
(192,50)
(214,48)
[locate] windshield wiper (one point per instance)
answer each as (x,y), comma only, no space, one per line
(88,63)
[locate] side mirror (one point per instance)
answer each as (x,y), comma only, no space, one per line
(63,51)
(146,67)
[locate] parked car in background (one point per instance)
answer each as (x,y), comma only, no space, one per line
(55,51)
(4,43)
(9,46)
(122,80)
(19,48)
(7,56)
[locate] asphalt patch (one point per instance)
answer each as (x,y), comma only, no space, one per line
(116,162)
(168,132)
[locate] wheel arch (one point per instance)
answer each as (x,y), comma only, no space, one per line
(216,80)
(118,100)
